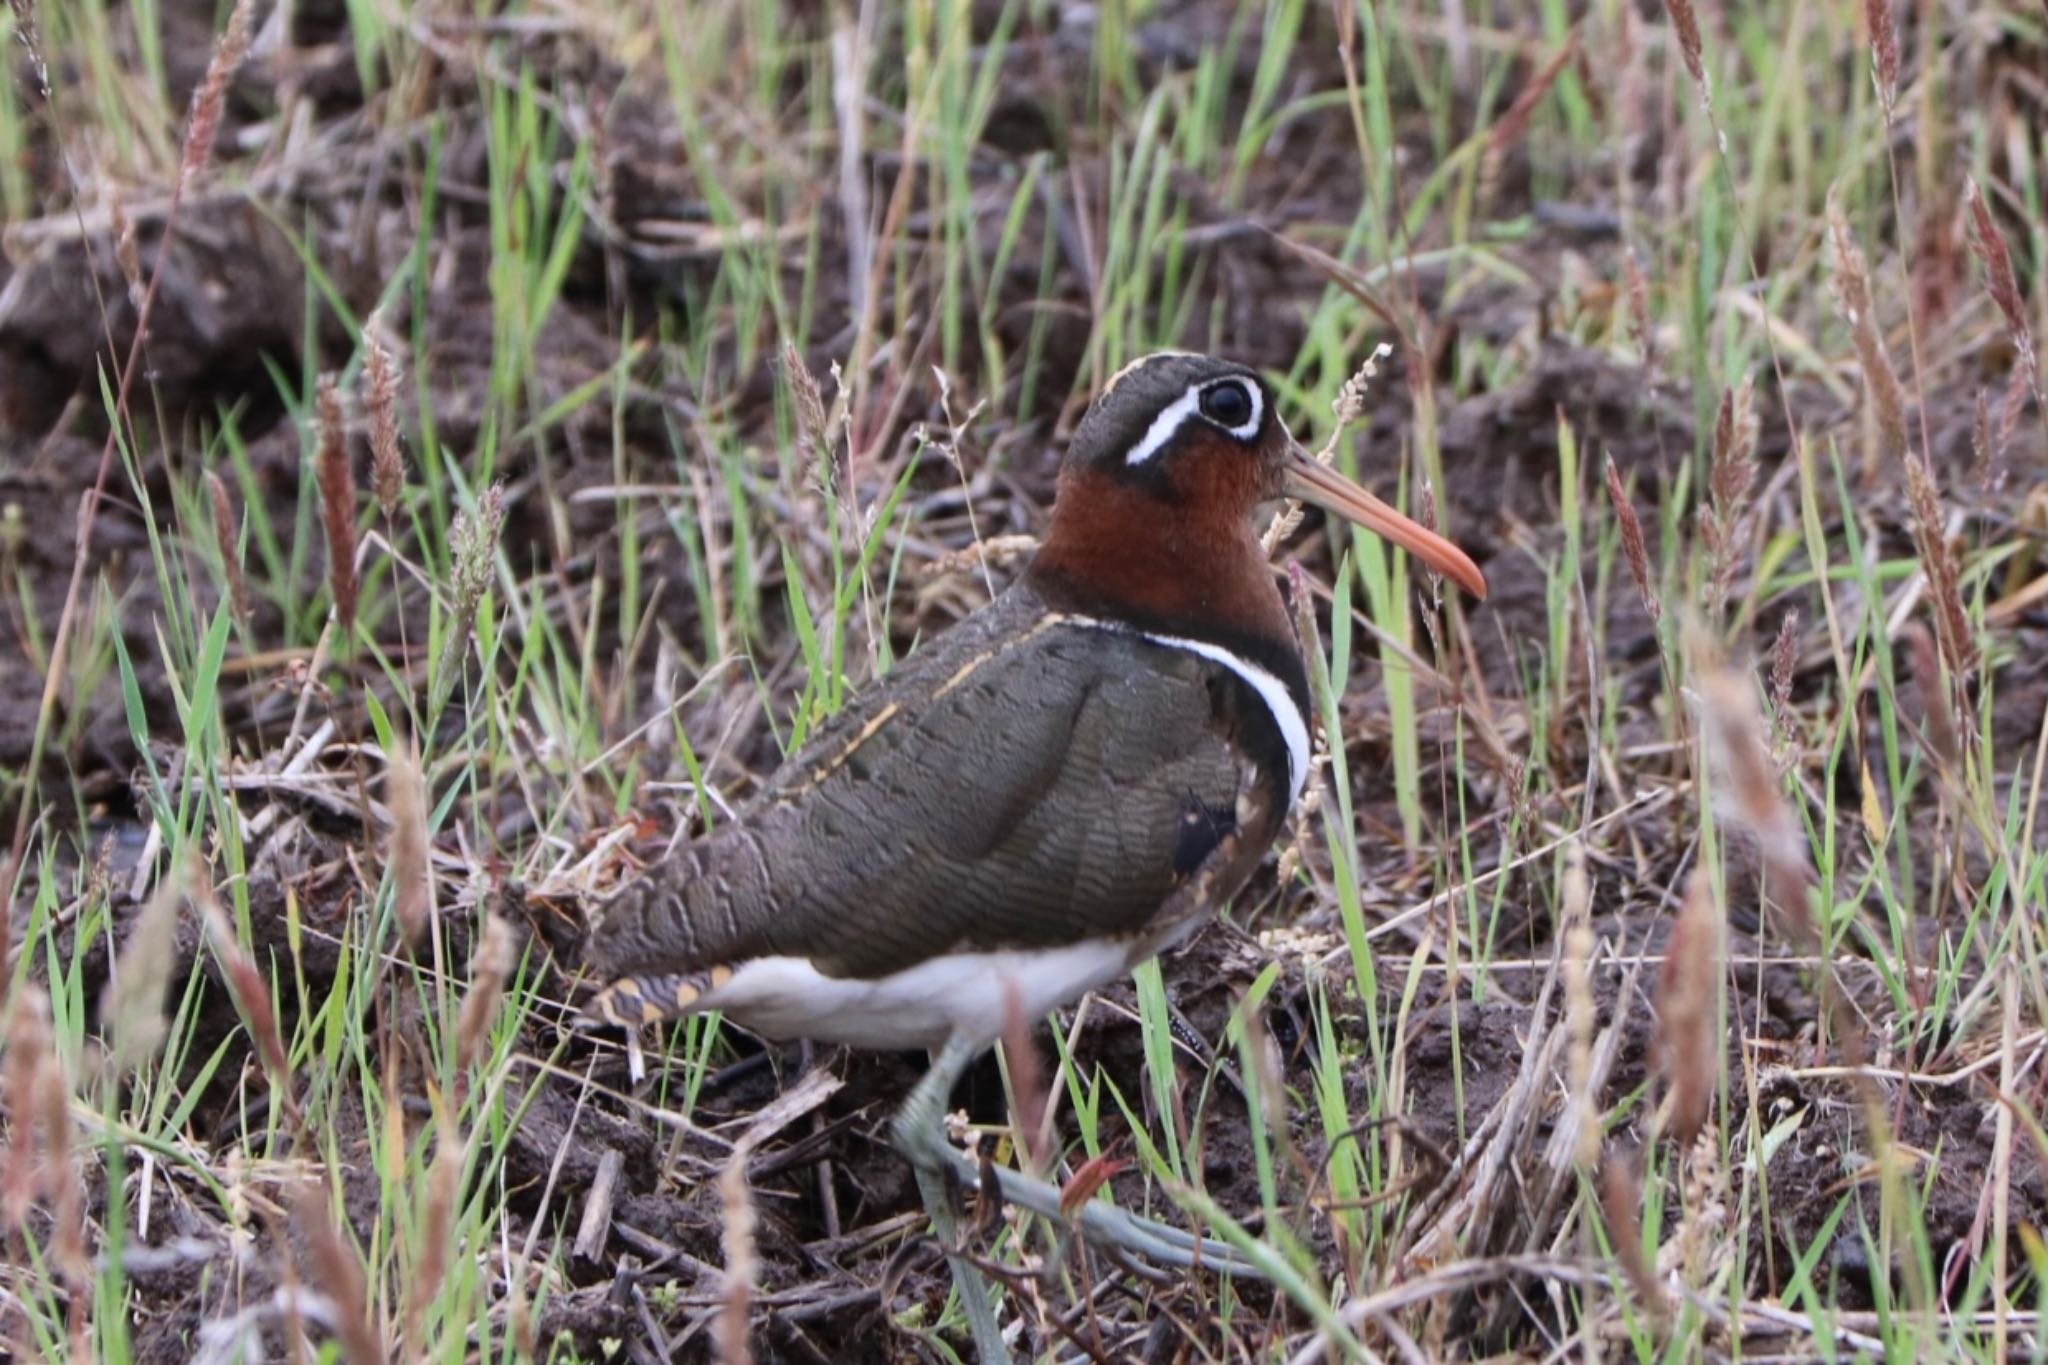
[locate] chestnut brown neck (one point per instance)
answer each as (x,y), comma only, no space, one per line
(1185,566)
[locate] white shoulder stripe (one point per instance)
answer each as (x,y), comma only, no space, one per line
(1279,701)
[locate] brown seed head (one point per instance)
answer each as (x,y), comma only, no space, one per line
(28,1058)
(246,979)
(337,481)
(1632,543)
(1853,298)
(1747,793)
(411,877)
(133,1002)
(731,1340)
(380,400)
(1686,25)
(225,532)
(1884,52)
(1930,535)
(496,955)
(333,1265)
(1689,1052)
(209,98)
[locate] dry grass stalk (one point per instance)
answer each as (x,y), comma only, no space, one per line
(1576,903)
(226,533)
(133,1002)
(1853,297)
(1746,785)
(337,481)
(488,971)
(336,1268)
(1689,1052)
(1722,520)
(411,877)
(380,400)
(1632,543)
(1944,582)
(1621,1204)
(1884,53)
(1687,25)
(210,97)
(731,1341)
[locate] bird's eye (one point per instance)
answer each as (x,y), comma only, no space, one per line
(1229,404)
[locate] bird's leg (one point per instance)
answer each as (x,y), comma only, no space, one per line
(920,1135)
(920,1131)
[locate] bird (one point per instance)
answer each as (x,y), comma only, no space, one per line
(1060,786)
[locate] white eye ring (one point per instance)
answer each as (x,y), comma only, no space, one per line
(1189,405)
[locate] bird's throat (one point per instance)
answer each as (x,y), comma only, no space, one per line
(1188,569)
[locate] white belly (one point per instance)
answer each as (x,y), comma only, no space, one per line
(921,1006)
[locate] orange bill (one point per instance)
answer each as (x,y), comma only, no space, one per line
(1331,491)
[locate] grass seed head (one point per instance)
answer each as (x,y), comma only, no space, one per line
(1641,325)
(411,876)
(1689,1052)
(489,969)
(1987,240)
(335,1267)
(28,1058)
(225,528)
(380,400)
(1747,791)
(472,554)
(812,434)
(1686,25)
(1576,906)
(1733,470)
(337,481)
(127,253)
(210,97)
(1987,451)
(1884,53)
(731,1340)
(133,1002)
(1938,560)
(246,980)
(1621,1205)
(1854,300)
(1632,542)
(437,1222)
(1937,713)
(1784,667)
